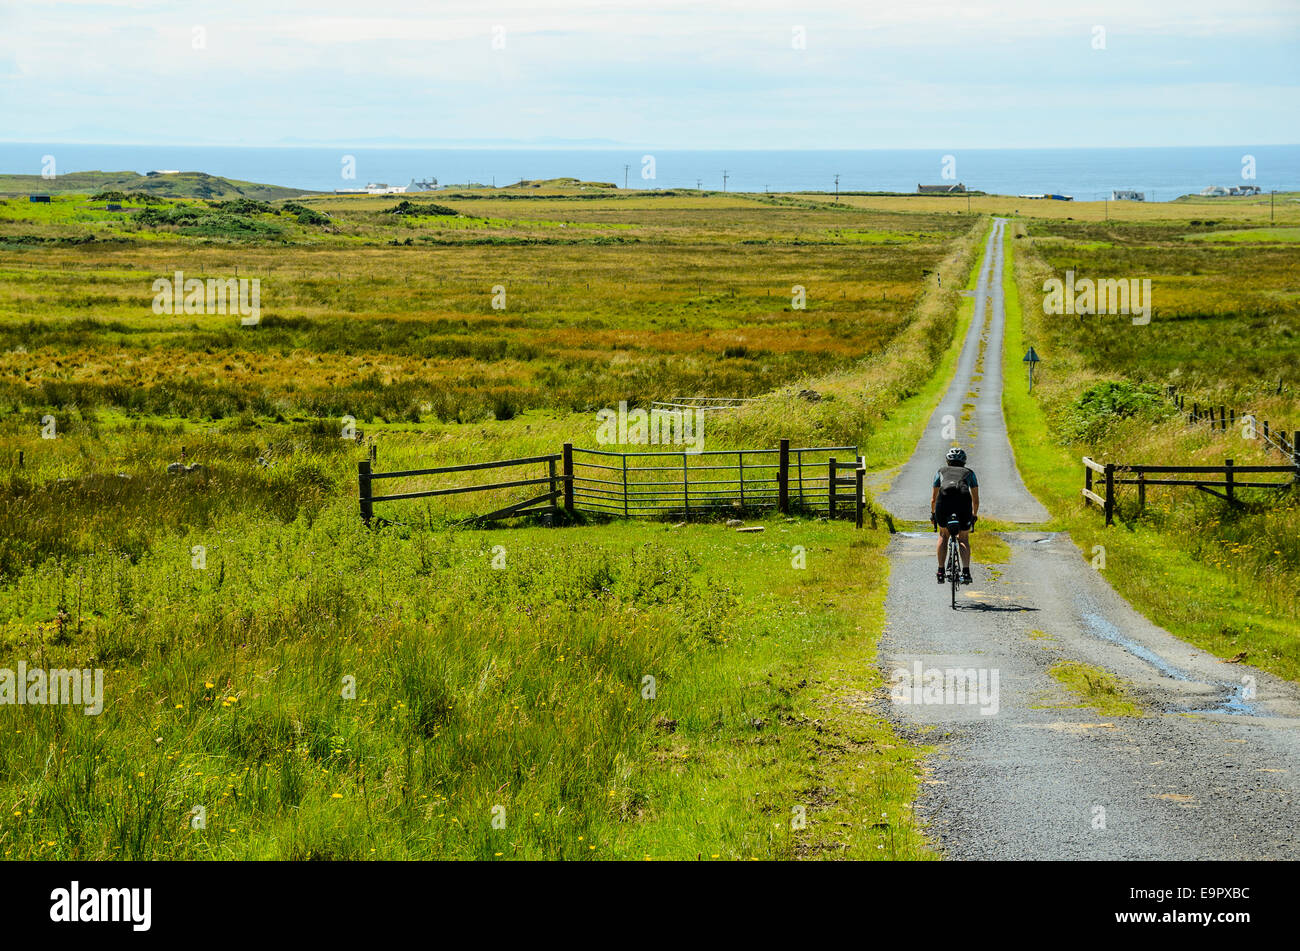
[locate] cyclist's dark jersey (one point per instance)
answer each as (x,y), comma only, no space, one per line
(959,506)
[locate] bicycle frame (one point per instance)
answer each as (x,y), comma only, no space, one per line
(954,558)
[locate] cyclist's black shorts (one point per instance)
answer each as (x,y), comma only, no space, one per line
(961,508)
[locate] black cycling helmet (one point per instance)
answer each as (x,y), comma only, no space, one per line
(956,457)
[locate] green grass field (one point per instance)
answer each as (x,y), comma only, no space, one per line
(309,688)
(1223,578)
(313,689)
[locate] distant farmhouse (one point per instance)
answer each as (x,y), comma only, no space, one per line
(958,188)
(1216,191)
(372,188)
(1128,196)
(383,188)
(1052,197)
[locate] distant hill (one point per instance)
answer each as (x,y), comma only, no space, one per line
(177,185)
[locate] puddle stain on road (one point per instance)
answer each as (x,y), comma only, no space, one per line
(1234,700)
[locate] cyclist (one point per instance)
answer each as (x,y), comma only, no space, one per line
(956,492)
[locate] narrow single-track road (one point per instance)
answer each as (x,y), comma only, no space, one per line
(1211,771)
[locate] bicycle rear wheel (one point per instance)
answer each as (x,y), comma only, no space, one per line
(954,563)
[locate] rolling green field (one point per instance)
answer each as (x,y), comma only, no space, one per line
(302,687)
(1224,327)
(154,184)
(310,688)
(395,316)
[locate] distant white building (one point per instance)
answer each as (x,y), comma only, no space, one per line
(1127,196)
(1218,191)
(373,188)
(426,185)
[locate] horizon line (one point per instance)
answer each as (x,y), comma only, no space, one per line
(618,148)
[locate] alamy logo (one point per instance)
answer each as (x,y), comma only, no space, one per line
(134,905)
(658,427)
(38,687)
(1110,296)
(182,295)
(946,686)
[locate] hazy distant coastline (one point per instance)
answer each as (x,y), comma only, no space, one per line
(1086,174)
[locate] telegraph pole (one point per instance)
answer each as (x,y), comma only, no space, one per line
(724,179)
(699,184)
(837,186)
(625,168)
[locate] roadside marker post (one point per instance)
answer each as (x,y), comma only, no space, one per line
(1032,359)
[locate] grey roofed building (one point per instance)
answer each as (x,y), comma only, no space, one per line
(940,189)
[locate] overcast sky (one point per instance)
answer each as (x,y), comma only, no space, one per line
(653,73)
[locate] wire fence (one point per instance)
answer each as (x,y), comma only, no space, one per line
(1226,417)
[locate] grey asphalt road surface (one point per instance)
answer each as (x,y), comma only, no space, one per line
(1020,768)
(970,414)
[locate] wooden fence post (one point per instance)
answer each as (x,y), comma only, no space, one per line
(625,503)
(1110,493)
(1087,482)
(783,478)
(1223,419)
(1227,479)
(568,477)
(555,504)
(740,467)
(1196,411)
(858,474)
(1267,444)
(1142,490)
(363,483)
(1295,454)
(1213,424)
(830,504)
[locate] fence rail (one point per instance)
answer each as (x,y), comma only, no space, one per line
(549,499)
(702,403)
(659,483)
(1139,473)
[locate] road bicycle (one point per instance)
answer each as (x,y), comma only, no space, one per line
(954,555)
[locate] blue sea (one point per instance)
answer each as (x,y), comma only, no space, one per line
(1162,174)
